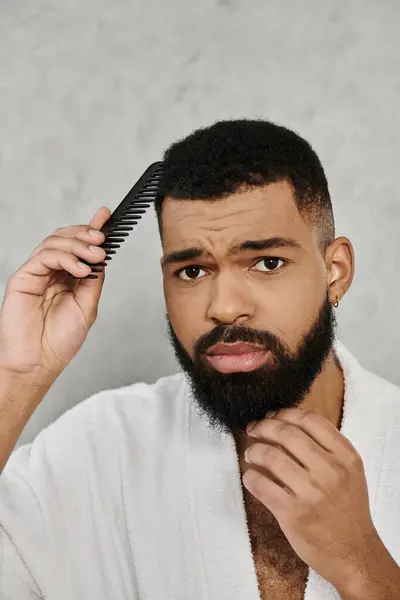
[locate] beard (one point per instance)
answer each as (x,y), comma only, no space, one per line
(229,401)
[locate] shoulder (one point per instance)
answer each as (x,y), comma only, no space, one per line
(122,410)
(364,383)
(384,392)
(94,431)
(114,435)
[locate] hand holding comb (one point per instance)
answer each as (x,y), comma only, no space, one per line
(127,214)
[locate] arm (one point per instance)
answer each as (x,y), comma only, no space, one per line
(44,320)
(41,303)
(18,401)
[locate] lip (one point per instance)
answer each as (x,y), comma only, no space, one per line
(229,361)
(238,348)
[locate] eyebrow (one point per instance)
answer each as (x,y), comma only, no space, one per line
(197,252)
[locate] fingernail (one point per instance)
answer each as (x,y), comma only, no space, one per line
(82,265)
(93,232)
(92,248)
(270,414)
(250,426)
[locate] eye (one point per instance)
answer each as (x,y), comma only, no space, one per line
(270,264)
(189,273)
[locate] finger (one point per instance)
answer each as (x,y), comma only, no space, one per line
(101,217)
(290,421)
(84,250)
(320,429)
(293,440)
(284,468)
(269,493)
(74,230)
(51,259)
(88,292)
(91,236)
(84,232)
(87,295)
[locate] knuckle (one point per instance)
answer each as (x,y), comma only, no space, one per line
(285,429)
(315,496)
(51,240)
(10,283)
(308,416)
(42,252)
(270,452)
(355,459)
(34,252)
(42,245)
(338,475)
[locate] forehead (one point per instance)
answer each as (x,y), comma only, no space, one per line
(260,212)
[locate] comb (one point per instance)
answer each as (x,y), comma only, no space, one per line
(127,214)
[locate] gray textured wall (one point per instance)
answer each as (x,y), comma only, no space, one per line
(92,91)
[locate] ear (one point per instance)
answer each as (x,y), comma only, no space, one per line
(339,260)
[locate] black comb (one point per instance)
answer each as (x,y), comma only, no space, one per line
(128,213)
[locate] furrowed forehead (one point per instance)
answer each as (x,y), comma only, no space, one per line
(256,214)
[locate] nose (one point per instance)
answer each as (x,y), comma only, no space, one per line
(230,300)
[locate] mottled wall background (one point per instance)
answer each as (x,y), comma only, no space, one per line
(93,91)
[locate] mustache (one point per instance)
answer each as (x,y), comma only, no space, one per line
(229,334)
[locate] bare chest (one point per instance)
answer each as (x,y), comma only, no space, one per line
(280,577)
(281,574)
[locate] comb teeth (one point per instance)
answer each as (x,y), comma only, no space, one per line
(127,214)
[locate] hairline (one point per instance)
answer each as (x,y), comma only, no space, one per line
(309,213)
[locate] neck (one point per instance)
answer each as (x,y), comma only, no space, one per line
(327,393)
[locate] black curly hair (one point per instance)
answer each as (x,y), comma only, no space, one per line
(233,155)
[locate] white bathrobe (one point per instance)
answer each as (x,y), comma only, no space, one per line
(130,495)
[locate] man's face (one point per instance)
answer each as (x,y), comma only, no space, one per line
(267,302)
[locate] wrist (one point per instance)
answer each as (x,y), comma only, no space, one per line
(377,575)
(19,398)
(20,393)
(29,380)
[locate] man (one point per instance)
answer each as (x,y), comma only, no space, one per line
(268,467)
